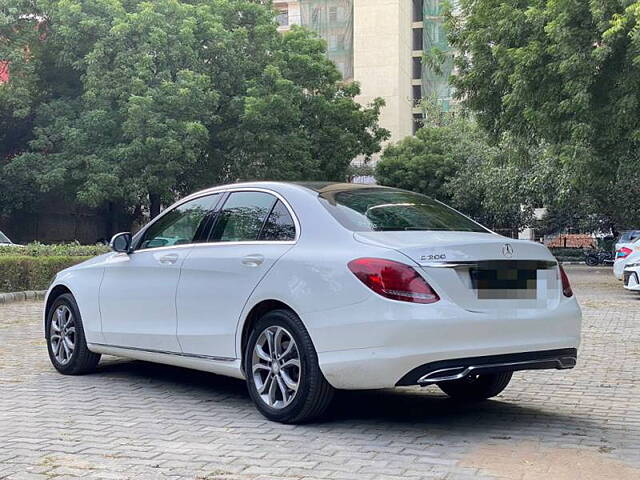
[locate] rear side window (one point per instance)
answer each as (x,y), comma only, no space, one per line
(279,226)
(242,217)
(393,210)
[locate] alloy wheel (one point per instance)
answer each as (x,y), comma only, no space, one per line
(63,334)
(275,367)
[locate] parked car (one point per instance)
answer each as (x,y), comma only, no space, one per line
(302,289)
(5,242)
(628,252)
(631,276)
(626,237)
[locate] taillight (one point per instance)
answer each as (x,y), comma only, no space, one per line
(566,286)
(624,252)
(393,280)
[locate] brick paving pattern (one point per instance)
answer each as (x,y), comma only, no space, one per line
(138,420)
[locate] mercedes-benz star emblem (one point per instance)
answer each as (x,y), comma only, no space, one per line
(507,250)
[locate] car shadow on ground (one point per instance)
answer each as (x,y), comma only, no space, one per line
(393,409)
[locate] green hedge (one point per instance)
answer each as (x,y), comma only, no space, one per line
(568,253)
(19,272)
(60,250)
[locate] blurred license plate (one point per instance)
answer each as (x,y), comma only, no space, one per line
(510,281)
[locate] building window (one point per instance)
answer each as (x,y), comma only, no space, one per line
(333,43)
(417,94)
(418,122)
(333,14)
(418,10)
(283,18)
(417,38)
(417,68)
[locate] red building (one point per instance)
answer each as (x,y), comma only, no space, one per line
(4,71)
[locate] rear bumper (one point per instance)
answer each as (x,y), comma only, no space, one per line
(456,369)
(376,344)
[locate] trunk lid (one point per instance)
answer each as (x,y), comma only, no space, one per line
(480,272)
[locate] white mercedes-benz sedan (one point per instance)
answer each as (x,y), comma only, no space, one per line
(305,288)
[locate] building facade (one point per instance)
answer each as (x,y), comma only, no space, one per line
(385,45)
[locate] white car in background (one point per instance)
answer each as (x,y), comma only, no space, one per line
(628,252)
(631,276)
(627,237)
(5,242)
(301,289)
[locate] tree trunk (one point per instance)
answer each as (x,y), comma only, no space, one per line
(154,205)
(110,221)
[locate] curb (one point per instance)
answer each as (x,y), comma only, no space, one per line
(22,296)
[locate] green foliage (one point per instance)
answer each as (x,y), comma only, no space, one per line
(563,75)
(300,122)
(136,102)
(568,254)
(426,162)
(452,160)
(20,273)
(57,250)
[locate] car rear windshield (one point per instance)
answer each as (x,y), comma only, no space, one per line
(630,236)
(392,210)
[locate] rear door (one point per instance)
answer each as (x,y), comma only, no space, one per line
(251,231)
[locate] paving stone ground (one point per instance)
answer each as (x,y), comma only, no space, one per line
(138,420)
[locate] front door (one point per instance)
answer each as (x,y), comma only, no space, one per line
(251,232)
(138,291)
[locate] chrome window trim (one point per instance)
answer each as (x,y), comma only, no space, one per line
(222,191)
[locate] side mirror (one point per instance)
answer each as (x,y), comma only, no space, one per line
(121,242)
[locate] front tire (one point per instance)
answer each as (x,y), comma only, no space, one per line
(478,387)
(66,342)
(281,366)
(591,261)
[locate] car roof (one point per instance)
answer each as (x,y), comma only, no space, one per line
(325,187)
(316,187)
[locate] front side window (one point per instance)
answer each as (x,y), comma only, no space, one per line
(182,225)
(242,217)
(389,209)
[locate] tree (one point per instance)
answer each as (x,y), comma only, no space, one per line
(565,75)
(19,45)
(300,121)
(425,163)
(452,160)
(156,99)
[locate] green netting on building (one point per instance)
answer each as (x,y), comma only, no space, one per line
(333,21)
(438,64)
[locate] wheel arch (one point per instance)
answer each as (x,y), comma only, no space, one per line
(256,312)
(54,293)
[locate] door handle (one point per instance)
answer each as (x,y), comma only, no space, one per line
(170,259)
(253,260)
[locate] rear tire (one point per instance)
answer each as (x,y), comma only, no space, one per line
(65,337)
(475,388)
(281,366)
